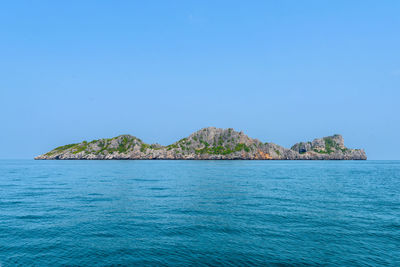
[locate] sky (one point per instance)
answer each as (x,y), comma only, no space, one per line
(281,71)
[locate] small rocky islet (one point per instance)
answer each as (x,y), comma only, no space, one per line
(206,144)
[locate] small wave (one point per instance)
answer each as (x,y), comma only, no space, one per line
(90,199)
(144,180)
(157,188)
(394,226)
(162,196)
(8,185)
(10,203)
(32,217)
(102,235)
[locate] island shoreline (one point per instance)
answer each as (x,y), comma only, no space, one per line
(206,144)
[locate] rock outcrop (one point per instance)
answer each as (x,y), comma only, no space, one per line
(207,144)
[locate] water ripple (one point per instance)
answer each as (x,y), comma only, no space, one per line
(211,213)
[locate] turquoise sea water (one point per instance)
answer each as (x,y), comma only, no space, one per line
(199,212)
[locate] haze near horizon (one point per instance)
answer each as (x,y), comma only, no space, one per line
(282,72)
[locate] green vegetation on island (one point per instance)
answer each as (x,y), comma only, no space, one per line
(207,143)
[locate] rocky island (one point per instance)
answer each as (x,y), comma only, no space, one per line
(206,144)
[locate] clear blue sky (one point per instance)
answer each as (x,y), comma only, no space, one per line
(281,71)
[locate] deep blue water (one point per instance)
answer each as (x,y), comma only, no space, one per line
(199,212)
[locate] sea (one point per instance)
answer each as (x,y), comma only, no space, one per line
(199,213)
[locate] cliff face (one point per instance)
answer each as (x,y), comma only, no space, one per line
(205,144)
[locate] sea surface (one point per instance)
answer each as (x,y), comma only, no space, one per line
(178,213)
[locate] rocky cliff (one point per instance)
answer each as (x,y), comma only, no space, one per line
(207,144)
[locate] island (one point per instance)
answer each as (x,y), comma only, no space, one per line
(206,144)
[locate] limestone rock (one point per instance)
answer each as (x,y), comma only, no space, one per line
(207,144)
